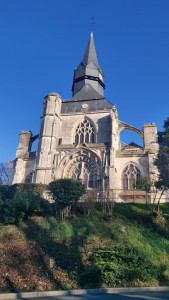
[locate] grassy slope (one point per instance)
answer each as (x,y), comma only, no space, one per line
(25,251)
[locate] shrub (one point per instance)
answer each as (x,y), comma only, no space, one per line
(27,188)
(9,192)
(5,192)
(123,266)
(91,277)
(66,192)
(67,286)
(7,213)
(22,207)
(143,183)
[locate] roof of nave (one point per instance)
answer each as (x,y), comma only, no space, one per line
(132,145)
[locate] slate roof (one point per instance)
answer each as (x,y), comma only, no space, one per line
(86,95)
(87,92)
(87,73)
(93,105)
(90,53)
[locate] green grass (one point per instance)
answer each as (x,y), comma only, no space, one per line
(72,243)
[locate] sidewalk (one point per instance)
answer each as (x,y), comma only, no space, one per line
(29,295)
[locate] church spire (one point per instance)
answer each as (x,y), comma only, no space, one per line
(90,53)
(88,73)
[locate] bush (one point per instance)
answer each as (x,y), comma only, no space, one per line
(8,215)
(5,192)
(22,207)
(27,188)
(91,277)
(143,183)
(66,192)
(123,266)
(9,192)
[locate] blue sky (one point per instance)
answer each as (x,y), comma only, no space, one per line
(42,41)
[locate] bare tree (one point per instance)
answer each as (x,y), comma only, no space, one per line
(90,199)
(6,172)
(108,201)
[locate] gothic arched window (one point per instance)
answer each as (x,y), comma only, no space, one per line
(84,133)
(129,177)
(83,172)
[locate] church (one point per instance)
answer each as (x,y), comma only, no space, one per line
(79,138)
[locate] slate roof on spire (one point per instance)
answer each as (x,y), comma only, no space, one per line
(90,53)
(89,72)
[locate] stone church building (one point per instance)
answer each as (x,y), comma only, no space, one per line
(79,138)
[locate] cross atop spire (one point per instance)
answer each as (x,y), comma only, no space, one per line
(90,53)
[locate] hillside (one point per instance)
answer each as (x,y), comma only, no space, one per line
(129,248)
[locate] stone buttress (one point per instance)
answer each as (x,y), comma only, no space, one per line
(48,138)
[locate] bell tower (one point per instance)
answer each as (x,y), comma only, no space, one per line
(88,71)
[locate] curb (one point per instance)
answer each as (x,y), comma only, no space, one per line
(82,292)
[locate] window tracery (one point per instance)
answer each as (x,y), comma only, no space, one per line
(84,132)
(129,177)
(83,172)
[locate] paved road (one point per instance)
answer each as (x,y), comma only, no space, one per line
(122,296)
